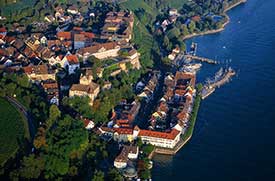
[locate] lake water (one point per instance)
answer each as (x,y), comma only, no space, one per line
(234,136)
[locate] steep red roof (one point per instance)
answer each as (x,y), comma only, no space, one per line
(72,59)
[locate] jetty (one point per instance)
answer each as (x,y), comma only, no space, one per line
(202,59)
(221,78)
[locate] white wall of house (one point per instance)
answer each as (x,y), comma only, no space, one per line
(71,67)
(133,155)
(161,142)
(107,53)
(120,164)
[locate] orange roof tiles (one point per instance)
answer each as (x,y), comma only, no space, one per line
(27,70)
(171,135)
(182,115)
(122,121)
(72,59)
(64,35)
(196,18)
(123,130)
(3,30)
(88,34)
(52,85)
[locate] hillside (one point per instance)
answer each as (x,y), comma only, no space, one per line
(12,122)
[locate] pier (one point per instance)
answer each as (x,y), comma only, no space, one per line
(202,59)
(210,87)
(224,80)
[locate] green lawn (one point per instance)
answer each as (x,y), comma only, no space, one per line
(12,130)
(7,9)
(194,114)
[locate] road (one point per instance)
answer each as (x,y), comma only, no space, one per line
(27,115)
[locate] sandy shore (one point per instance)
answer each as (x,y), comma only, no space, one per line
(216,30)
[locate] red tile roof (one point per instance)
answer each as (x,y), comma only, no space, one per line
(88,34)
(72,59)
(3,30)
(86,122)
(67,43)
(171,135)
(182,115)
(28,69)
(196,18)
(52,85)
(123,130)
(77,29)
(64,35)
(122,121)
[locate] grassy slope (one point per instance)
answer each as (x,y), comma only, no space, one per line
(141,37)
(12,129)
(194,114)
(18,6)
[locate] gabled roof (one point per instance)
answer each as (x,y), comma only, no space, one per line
(123,131)
(97,47)
(72,59)
(171,135)
(50,85)
(85,88)
(64,34)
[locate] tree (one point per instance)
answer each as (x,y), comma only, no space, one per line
(79,104)
(166,42)
(53,115)
(182,46)
(192,26)
(184,30)
(68,136)
(173,33)
(98,176)
(40,138)
(114,175)
(166,61)
(31,167)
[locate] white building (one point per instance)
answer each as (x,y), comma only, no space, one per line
(71,63)
(100,51)
(128,152)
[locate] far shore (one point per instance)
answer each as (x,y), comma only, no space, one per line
(216,30)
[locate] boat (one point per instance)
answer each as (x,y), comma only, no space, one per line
(221,77)
(206,91)
(193,48)
(191,67)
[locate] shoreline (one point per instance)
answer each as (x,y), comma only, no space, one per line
(219,29)
(166,151)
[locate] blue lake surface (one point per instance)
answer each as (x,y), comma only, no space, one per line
(234,136)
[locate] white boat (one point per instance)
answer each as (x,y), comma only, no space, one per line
(192,67)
